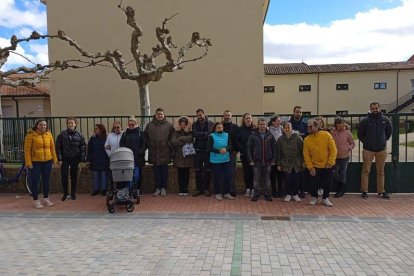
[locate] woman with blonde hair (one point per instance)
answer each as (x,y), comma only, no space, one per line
(39,154)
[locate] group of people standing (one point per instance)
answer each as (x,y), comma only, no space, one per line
(279,159)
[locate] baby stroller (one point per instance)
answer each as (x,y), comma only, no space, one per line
(123,190)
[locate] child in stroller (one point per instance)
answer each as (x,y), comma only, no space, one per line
(123,187)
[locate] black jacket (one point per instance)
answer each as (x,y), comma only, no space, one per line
(70,145)
(135,140)
(301,126)
(200,133)
(374,132)
(231,129)
(242,135)
(261,151)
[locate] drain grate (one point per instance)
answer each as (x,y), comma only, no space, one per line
(285,218)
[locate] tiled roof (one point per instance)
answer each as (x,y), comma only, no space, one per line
(302,68)
(23,76)
(23,91)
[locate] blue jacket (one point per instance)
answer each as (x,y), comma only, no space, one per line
(301,126)
(374,132)
(97,155)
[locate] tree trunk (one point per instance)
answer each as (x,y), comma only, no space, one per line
(144,100)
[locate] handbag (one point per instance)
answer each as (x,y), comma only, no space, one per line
(188,149)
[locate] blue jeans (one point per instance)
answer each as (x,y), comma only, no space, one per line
(99,180)
(160,176)
(41,169)
(135,178)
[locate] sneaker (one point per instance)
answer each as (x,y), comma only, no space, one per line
(184,194)
(320,192)
(229,196)
(180,194)
(37,204)
(296,198)
(247,194)
(251,193)
(73,197)
(339,194)
(163,192)
(313,201)
(207,193)
(384,195)
(94,193)
(268,198)
(219,197)
(302,195)
(288,198)
(157,192)
(364,195)
(255,198)
(327,202)
(65,196)
(47,202)
(196,194)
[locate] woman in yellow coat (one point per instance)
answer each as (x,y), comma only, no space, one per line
(39,155)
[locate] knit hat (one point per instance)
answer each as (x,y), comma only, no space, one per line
(132,118)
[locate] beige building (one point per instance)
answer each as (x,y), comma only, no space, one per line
(25,101)
(339,88)
(229,77)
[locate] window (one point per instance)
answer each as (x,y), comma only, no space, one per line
(380,85)
(342,112)
(268,114)
(305,88)
(269,89)
(306,113)
(342,86)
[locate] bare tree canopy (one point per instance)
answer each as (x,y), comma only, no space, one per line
(146,69)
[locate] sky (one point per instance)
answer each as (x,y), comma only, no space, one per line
(310,31)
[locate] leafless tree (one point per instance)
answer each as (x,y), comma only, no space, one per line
(146,69)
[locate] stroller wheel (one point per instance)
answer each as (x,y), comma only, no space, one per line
(130,207)
(111,209)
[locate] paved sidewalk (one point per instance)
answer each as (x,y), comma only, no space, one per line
(201,236)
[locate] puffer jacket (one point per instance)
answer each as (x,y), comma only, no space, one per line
(290,153)
(261,151)
(135,140)
(180,138)
(374,132)
(319,150)
(344,142)
(39,147)
(71,145)
(158,134)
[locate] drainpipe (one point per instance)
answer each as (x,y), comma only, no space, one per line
(317,95)
(398,87)
(17,106)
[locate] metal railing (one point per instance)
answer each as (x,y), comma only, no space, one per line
(401,146)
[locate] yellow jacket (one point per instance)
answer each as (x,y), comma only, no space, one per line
(39,147)
(319,150)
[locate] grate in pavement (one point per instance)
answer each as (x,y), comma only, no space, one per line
(285,218)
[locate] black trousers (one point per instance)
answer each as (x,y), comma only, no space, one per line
(202,169)
(183,179)
(69,165)
(247,171)
(276,176)
(323,179)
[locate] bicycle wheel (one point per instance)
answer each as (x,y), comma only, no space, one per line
(28,181)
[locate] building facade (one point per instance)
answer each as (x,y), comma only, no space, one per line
(229,77)
(339,88)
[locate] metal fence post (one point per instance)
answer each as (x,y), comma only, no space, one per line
(395,151)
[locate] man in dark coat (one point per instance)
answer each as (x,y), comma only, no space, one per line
(231,129)
(374,131)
